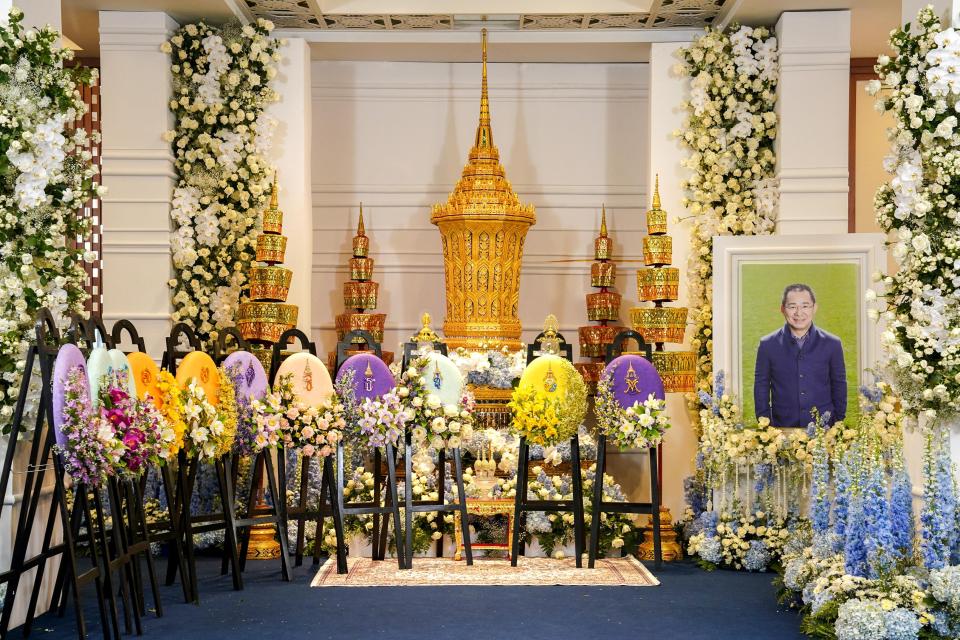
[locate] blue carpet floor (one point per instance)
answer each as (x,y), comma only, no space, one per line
(689,604)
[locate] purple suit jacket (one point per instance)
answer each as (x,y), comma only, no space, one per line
(790,382)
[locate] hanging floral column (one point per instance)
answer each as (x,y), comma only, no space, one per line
(45,177)
(220,142)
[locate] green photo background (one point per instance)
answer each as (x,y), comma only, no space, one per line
(838,306)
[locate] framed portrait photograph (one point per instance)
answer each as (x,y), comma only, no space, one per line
(790,326)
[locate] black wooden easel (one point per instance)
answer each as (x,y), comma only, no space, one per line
(411,506)
(143,535)
(391,503)
(523,504)
(326,502)
(651,508)
(44,351)
(187,469)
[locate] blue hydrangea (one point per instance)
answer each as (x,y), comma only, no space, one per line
(710,550)
(861,620)
(820,600)
(757,557)
(826,545)
(792,573)
(901,624)
(537,522)
(945,587)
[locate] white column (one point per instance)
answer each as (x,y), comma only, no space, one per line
(813,109)
(138,171)
(292,158)
(667,91)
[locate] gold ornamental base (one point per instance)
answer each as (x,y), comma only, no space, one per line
(670,547)
(263,543)
(677,369)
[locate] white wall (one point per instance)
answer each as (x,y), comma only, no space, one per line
(396,136)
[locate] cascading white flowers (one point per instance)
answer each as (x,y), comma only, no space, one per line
(46,175)
(222,135)
(919,209)
(730,131)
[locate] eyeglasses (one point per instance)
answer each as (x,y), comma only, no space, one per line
(798,307)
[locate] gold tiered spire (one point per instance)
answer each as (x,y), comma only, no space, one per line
(483,225)
(265,316)
(602,306)
(360,293)
(660,283)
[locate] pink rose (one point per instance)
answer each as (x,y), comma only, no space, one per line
(308,450)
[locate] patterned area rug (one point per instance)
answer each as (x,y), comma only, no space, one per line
(432,572)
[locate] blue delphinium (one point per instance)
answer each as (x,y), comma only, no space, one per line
(762,477)
(854,549)
(901,511)
(820,485)
(938,516)
(876,516)
(757,557)
(841,501)
(861,620)
(695,492)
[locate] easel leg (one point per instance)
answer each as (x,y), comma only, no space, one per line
(577,499)
(229,525)
(519,502)
(395,502)
(337,518)
(597,500)
(408,498)
(462,500)
(286,570)
(655,508)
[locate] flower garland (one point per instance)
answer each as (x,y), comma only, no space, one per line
(434,424)
(381,421)
(730,131)
(640,426)
(209,431)
(546,418)
(47,176)
(313,430)
(919,209)
(90,448)
(140,429)
(220,143)
(171,408)
(253,433)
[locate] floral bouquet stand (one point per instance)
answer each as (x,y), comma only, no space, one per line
(631,414)
(432,389)
(375,419)
(548,407)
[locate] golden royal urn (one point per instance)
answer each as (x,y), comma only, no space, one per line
(483,226)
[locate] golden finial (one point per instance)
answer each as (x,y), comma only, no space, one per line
(369,372)
(550,341)
(656,192)
(426,334)
(274,204)
(361,231)
(484,136)
(603,222)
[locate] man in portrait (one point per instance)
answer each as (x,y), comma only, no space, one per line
(799,366)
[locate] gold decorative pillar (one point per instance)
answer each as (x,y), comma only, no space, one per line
(483,226)
(658,324)
(360,295)
(602,307)
(261,322)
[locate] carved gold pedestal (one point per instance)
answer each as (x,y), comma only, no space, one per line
(669,545)
(263,543)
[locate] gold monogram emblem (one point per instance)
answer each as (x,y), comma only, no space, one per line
(368,378)
(632,380)
(145,377)
(205,375)
(549,380)
(307,378)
